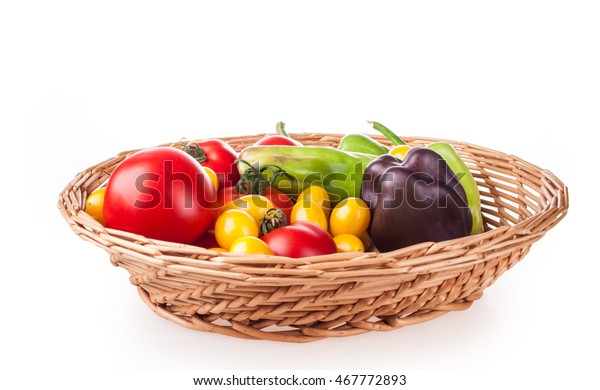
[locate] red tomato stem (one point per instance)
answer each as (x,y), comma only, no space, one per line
(196,152)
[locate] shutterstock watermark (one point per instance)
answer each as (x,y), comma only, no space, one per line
(418,190)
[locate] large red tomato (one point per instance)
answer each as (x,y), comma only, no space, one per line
(218,156)
(300,239)
(160,193)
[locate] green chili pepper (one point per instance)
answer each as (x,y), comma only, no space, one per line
(458,167)
(466,179)
(339,173)
(362,144)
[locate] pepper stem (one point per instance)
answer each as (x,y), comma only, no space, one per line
(280,129)
(388,133)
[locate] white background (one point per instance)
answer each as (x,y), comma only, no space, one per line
(81,81)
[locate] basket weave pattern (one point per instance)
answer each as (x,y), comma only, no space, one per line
(299,300)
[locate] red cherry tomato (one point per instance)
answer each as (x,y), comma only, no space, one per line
(220,157)
(207,240)
(226,196)
(277,198)
(160,193)
(280,201)
(277,140)
(300,239)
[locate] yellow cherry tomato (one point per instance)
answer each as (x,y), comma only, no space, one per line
(250,245)
(348,243)
(310,212)
(255,205)
(317,195)
(399,151)
(218,249)
(213,177)
(234,224)
(350,216)
(94,205)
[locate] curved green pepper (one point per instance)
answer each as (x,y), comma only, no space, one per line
(362,144)
(466,179)
(457,165)
(339,173)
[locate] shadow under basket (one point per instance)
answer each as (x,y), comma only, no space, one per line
(307,299)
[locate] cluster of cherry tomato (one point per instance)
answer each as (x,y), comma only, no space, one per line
(314,228)
(269,224)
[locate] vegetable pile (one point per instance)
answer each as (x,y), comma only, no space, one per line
(279,197)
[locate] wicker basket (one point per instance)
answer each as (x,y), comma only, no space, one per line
(300,300)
